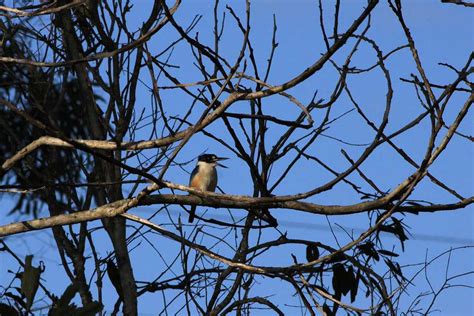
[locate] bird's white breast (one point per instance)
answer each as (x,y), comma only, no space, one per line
(207,175)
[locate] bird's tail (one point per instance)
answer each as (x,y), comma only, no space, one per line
(192,214)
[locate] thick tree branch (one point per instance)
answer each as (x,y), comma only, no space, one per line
(216,201)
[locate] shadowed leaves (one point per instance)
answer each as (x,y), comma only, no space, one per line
(30,281)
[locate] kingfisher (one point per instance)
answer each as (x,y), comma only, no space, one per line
(204,176)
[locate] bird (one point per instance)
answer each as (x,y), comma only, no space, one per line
(204,176)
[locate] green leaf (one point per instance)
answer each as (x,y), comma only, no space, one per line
(30,281)
(395,269)
(368,249)
(355,286)
(341,280)
(312,253)
(388,253)
(114,276)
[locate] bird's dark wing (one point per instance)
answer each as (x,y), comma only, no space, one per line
(192,212)
(213,182)
(195,171)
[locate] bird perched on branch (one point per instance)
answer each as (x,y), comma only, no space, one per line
(204,176)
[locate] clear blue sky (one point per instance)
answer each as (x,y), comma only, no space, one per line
(443,33)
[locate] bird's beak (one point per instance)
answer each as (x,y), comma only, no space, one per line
(219,159)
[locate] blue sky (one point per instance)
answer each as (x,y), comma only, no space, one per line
(443,33)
